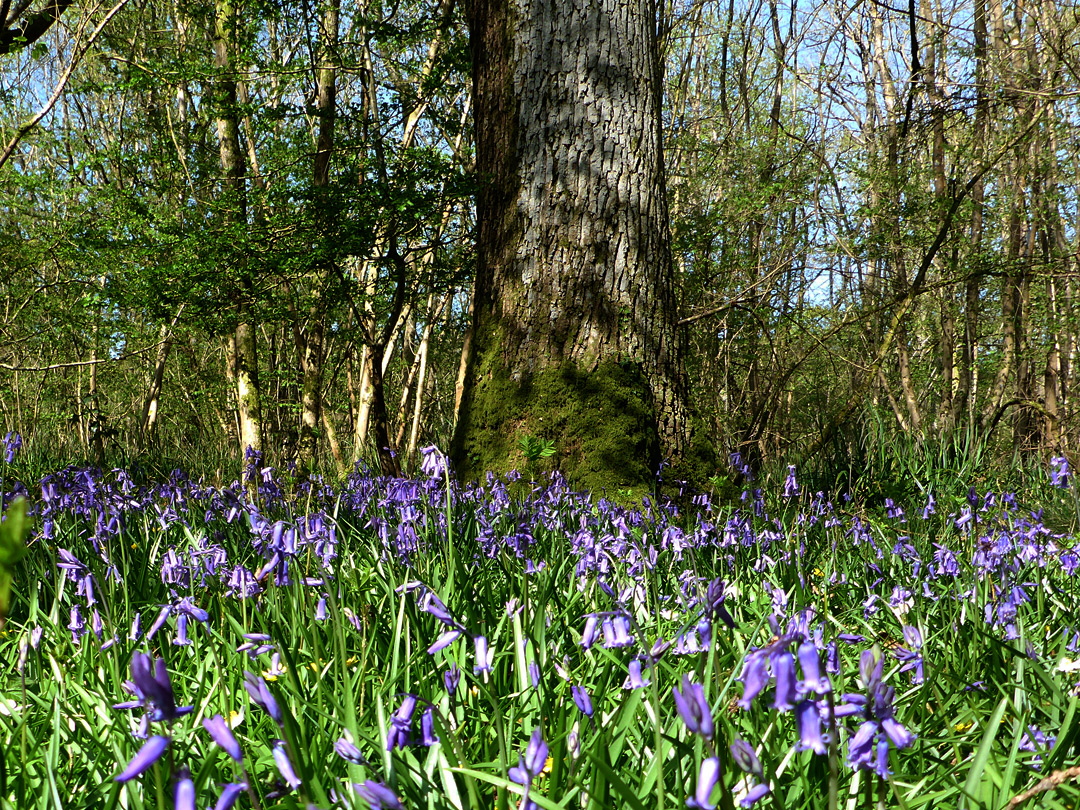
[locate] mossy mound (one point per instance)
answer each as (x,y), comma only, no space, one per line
(602,424)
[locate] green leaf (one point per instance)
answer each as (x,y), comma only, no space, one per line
(982,756)
(13,531)
(12,549)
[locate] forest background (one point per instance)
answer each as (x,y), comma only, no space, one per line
(874,212)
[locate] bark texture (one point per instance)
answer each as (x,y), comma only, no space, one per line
(575,334)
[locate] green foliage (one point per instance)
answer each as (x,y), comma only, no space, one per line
(347,674)
(13,533)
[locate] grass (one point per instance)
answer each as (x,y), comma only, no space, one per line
(348,609)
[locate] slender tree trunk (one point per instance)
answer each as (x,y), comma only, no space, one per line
(325,107)
(246,369)
(148,417)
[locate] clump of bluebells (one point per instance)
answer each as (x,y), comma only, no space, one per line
(395,642)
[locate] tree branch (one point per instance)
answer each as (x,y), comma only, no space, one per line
(22,131)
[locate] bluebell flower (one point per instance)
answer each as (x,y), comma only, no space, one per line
(184,792)
(151,684)
(582,700)
(444,640)
(221,734)
(791,486)
(347,750)
(1059,471)
(452,678)
(754,677)
(260,693)
(746,758)
(150,753)
(708,777)
(808,723)
(810,661)
(484,657)
(229,794)
(787,688)
(531,765)
(284,765)
(634,679)
(617,631)
(399,735)
(910,658)
(378,796)
(694,708)
(12,443)
(428,737)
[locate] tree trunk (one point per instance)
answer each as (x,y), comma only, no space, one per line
(325,94)
(246,369)
(148,418)
(576,335)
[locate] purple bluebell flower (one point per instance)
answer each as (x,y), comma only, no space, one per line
(715,596)
(260,693)
(284,765)
(754,677)
(151,683)
(77,625)
(592,628)
(347,750)
(1059,471)
(145,758)
(399,735)
(531,765)
(162,616)
(783,666)
(430,603)
(791,486)
(911,659)
(432,463)
(808,722)
(694,708)
(221,733)
(444,640)
(810,661)
(708,777)
(746,758)
(428,737)
(484,656)
(378,796)
(229,794)
(184,792)
(754,795)
(12,442)
(634,679)
(617,631)
(930,507)
(582,700)
(451,679)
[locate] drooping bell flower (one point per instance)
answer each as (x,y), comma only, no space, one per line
(694,708)
(150,753)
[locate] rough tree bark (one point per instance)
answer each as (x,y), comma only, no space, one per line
(575,333)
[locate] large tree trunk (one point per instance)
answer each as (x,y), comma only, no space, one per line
(576,335)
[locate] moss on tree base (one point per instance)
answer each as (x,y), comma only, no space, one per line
(602,423)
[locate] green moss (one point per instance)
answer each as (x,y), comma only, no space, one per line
(603,424)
